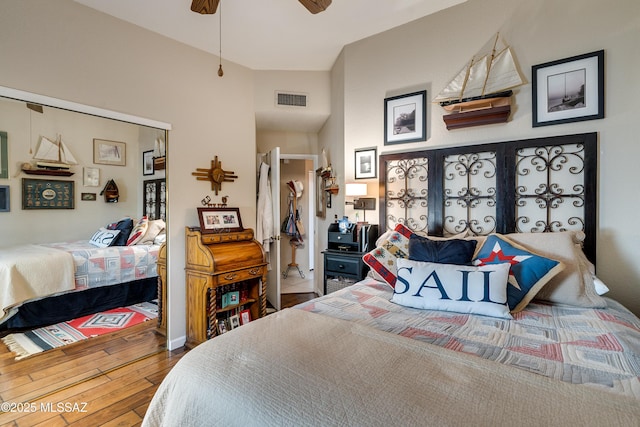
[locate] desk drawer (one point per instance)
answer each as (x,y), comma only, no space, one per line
(338,264)
(240,275)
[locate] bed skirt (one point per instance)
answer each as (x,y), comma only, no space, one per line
(69,306)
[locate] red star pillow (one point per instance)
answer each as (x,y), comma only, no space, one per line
(528,273)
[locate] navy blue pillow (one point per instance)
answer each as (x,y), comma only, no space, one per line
(450,251)
(125,226)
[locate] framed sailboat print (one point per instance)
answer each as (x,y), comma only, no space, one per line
(109,152)
(405,118)
(568,90)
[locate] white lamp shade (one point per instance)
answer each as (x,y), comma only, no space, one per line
(356,189)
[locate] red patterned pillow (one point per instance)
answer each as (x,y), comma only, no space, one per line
(138,231)
(382,260)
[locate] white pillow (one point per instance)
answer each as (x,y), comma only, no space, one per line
(154,228)
(447,287)
(574,285)
(103,237)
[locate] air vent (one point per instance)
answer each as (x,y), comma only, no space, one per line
(291,99)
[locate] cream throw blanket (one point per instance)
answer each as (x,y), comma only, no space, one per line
(30,272)
(298,368)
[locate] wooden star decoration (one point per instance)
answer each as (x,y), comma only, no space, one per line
(215,174)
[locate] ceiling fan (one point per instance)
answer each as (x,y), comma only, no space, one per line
(208,7)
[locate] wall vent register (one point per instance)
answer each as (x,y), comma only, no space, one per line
(291,99)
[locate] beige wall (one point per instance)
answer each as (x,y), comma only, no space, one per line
(65,50)
(426,53)
(24,129)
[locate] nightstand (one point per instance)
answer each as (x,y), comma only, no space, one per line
(342,268)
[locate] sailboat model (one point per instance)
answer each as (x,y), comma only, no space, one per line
(481,92)
(52,158)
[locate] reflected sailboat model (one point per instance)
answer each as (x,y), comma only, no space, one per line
(51,158)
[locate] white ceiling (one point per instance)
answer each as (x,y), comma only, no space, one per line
(271,34)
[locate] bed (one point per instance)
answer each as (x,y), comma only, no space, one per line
(43,284)
(482,307)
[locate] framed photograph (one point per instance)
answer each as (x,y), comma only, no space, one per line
(47,194)
(4,156)
(4,198)
(222,327)
(320,195)
(219,220)
(405,118)
(90,197)
(234,321)
(147,163)
(91,177)
(568,90)
(245,316)
(365,163)
(109,152)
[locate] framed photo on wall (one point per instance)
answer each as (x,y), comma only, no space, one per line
(365,163)
(109,152)
(4,198)
(4,156)
(405,118)
(147,163)
(219,220)
(320,195)
(568,90)
(47,194)
(91,177)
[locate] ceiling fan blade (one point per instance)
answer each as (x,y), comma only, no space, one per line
(315,6)
(205,7)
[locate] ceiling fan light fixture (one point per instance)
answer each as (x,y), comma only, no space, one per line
(315,6)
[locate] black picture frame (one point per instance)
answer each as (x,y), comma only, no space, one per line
(568,90)
(5,198)
(4,156)
(147,163)
(405,118)
(365,163)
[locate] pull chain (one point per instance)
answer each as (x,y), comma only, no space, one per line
(220,72)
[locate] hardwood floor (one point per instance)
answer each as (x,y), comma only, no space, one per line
(104,381)
(90,383)
(289,300)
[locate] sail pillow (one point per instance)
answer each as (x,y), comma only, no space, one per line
(104,238)
(450,287)
(138,231)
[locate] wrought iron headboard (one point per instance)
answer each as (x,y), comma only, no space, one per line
(534,185)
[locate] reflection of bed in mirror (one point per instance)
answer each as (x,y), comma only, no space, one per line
(45,284)
(512,327)
(127,273)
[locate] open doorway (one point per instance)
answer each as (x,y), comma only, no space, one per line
(297,252)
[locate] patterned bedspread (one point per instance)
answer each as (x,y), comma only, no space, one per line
(97,267)
(596,347)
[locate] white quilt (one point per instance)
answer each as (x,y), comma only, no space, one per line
(31,271)
(295,368)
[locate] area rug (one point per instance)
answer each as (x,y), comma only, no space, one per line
(49,337)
